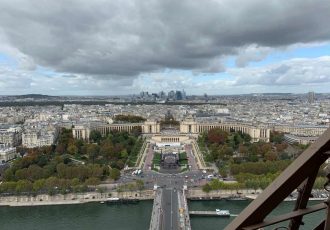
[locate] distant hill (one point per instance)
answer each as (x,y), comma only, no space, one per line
(35,96)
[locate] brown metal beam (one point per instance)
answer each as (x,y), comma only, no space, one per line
(327,220)
(320,226)
(290,179)
(287,216)
(302,200)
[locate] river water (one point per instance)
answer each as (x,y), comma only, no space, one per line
(96,216)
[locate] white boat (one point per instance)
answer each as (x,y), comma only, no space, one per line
(222,212)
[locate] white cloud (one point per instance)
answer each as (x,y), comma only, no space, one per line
(299,71)
(252,53)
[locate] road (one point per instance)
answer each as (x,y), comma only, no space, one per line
(170,209)
(190,178)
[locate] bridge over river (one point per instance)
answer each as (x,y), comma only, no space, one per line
(170,210)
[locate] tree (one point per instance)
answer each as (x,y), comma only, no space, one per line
(120,164)
(106,149)
(93,181)
(34,172)
(61,170)
(206,188)
(95,170)
(276,137)
(21,174)
(9,174)
(252,183)
(72,149)
(23,186)
(264,148)
(320,182)
(139,184)
(60,148)
(42,160)
(92,151)
(128,118)
(8,187)
(114,174)
(51,183)
(217,136)
(124,154)
(237,139)
(38,185)
(281,147)
(75,182)
(242,149)
(95,136)
(271,156)
(246,137)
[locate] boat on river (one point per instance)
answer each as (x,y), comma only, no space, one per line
(116,200)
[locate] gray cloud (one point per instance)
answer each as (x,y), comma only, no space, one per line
(120,39)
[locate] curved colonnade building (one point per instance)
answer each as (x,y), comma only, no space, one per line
(188,127)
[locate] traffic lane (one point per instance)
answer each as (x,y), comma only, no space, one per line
(170,209)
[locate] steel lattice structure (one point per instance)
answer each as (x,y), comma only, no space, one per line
(300,175)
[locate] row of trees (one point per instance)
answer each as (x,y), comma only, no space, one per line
(259,168)
(129,118)
(137,185)
(51,185)
(251,181)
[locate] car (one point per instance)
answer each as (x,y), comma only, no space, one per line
(204,171)
(210,176)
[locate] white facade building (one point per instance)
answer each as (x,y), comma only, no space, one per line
(32,139)
(7,153)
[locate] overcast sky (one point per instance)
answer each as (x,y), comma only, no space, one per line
(103,47)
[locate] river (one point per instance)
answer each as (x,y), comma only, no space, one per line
(98,216)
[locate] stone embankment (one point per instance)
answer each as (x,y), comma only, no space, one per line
(222,194)
(71,198)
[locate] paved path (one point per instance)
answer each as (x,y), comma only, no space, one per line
(157,212)
(149,157)
(191,157)
(184,218)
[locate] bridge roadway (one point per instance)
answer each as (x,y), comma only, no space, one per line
(170,209)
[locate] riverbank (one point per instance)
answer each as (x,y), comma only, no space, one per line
(71,198)
(241,194)
(191,194)
(80,198)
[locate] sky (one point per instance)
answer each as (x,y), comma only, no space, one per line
(218,47)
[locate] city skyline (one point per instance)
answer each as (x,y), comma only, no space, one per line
(107,48)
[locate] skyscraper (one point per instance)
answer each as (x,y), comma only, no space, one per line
(311,97)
